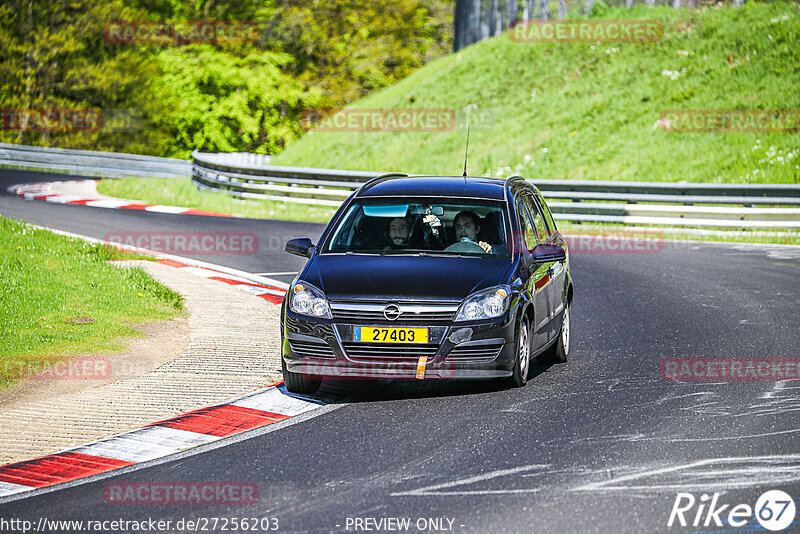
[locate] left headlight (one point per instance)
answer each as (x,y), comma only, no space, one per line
(486,304)
(306,299)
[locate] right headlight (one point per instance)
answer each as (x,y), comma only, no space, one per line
(486,304)
(306,299)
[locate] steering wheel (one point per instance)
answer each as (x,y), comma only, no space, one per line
(465,246)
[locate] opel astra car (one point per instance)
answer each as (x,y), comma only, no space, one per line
(429,278)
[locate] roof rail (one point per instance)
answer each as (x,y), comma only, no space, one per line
(512,178)
(508,183)
(378,179)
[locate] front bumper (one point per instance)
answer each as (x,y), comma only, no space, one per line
(327,348)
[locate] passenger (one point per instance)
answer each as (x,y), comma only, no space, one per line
(467,225)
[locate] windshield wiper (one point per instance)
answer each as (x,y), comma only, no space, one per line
(433,254)
(401,252)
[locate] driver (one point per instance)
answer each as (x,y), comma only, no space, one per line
(398,231)
(467,225)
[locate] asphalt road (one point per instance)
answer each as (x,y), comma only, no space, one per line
(271,236)
(599,444)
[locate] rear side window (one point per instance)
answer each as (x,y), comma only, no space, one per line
(551,224)
(528,227)
(537,219)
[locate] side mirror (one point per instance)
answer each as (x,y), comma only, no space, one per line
(302,246)
(546,253)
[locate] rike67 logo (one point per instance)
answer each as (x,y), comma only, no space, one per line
(774,510)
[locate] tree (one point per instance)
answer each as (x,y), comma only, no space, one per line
(216,101)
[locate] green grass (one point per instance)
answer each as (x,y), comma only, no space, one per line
(588,111)
(60,297)
(182,192)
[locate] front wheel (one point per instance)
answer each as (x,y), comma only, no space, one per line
(560,350)
(519,376)
(298,382)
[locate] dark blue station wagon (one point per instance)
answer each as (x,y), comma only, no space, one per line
(429,278)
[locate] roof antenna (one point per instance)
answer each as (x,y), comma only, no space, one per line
(466,150)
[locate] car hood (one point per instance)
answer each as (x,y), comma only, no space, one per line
(404,277)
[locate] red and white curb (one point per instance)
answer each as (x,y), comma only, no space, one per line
(191,429)
(44,191)
(199,427)
(267,288)
(272,293)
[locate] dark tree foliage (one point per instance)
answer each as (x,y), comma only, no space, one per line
(169,99)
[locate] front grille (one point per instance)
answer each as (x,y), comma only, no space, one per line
(474,353)
(308,349)
(428,318)
(412,313)
(390,352)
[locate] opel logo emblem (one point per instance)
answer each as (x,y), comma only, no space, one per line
(392,312)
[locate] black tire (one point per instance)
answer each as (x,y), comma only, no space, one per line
(298,382)
(559,351)
(522,357)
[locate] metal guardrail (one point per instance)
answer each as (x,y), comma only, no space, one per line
(659,203)
(749,206)
(91,163)
(308,185)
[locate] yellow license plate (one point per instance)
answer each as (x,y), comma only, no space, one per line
(377,334)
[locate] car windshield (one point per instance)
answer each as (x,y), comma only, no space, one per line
(456,227)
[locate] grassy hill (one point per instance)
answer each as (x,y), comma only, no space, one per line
(589,111)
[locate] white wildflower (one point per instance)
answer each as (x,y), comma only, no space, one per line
(664,124)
